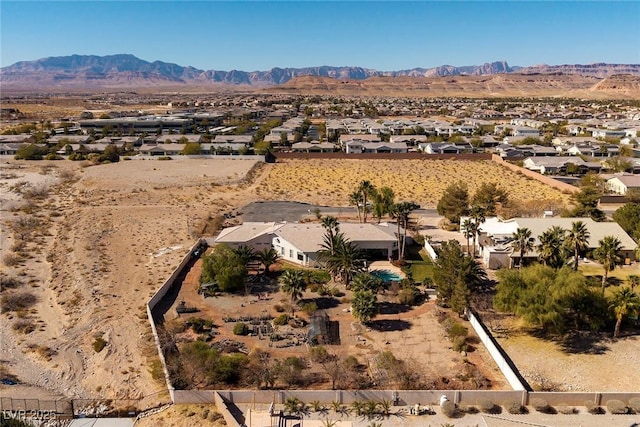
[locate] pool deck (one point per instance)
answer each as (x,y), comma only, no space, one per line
(386,265)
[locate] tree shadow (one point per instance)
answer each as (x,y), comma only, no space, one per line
(578,342)
(325,303)
(389,325)
(386,307)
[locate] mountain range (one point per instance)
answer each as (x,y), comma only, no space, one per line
(126,70)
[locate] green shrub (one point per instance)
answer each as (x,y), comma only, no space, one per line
(460,344)
(616,407)
(240,329)
(454,329)
(540,405)
(310,307)
(99,344)
(592,408)
(634,403)
(281,320)
(449,409)
(514,408)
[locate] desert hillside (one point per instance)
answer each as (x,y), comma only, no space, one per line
(498,85)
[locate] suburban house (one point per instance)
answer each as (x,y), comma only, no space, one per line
(608,133)
(162,149)
(620,184)
(494,239)
(359,147)
(300,242)
(313,147)
(558,165)
(410,140)
(22,138)
(595,150)
(234,139)
(222,148)
(445,148)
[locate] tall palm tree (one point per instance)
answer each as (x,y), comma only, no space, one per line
(478,216)
(608,254)
(551,247)
(268,257)
(624,302)
(401,212)
(577,240)
(367,190)
(355,199)
(467,226)
(292,283)
(522,242)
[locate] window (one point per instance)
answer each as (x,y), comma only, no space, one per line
(290,253)
(282,251)
(300,256)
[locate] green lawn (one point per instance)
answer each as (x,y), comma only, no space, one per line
(421,266)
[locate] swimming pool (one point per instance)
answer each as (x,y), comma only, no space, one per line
(387,275)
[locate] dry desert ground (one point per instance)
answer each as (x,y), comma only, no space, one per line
(103,238)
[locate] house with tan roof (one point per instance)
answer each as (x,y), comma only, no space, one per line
(300,242)
(620,184)
(495,236)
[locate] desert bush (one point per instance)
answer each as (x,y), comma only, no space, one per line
(454,329)
(18,301)
(592,408)
(487,406)
(240,329)
(513,407)
(616,407)
(407,297)
(99,344)
(634,404)
(449,409)
(565,409)
(23,326)
(468,409)
(9,282)
(460,344)
(11,259)
(310,307)
(281,320)
(279,308)
(540,405)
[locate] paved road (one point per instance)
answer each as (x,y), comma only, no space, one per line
(295,211)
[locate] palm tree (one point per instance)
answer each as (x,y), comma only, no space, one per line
(355,199)
(624,302)
(347,261)
(332,227)
(292,282)
(268,257)
(366,189)
(551,247)
(246,254)
(577,240)
(478,215)
(401,212)
(608,254)
(467,226)
(634,280)
(522,242)
(364,305)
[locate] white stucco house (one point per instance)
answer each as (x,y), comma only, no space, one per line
(620,184)
(300,242)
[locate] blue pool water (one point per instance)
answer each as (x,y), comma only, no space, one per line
(386,275)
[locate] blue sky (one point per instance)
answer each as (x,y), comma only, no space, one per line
(384,35)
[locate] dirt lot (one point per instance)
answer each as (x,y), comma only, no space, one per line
(106,237)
